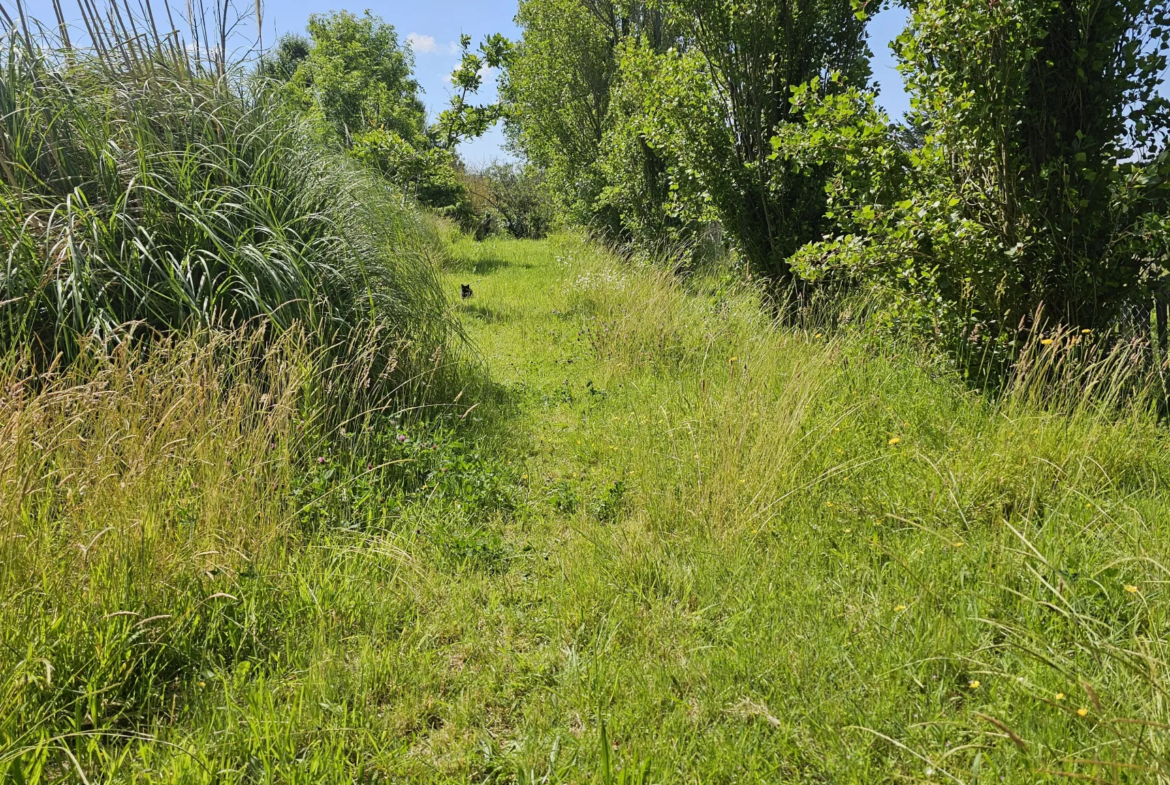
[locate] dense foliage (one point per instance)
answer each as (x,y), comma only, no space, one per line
(558,89)
(357,77)
(354,81)
(512,198)
(1036,192)
(1026,188)
(652,124)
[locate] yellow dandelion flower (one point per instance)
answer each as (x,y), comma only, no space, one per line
(1060,696)
(893,441)
(1081,712)
(818,335)
(899,608)
(959,544)
(974,684)
(1131,589)
(848,531)
(1086,331)
(734,359)
(1046,341)
(523,476)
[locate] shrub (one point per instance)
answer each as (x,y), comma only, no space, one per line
(515,197)
(426,173)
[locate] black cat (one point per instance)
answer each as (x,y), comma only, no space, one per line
(465,291)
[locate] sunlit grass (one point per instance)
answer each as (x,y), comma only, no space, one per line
(748,552)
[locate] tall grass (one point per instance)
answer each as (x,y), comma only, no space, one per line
(676,540)
(145,189)
(747,551)
(149,517)
(118,589)
(940,583)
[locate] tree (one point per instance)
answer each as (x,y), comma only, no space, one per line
(356,80)
(557,90)
(357,77)
(726,96)
(661,204)
(653,117)
(464,120)
(284,60)
(1038,113)
(1038,185)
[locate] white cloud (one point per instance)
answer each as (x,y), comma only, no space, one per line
(426,45)
(422,44)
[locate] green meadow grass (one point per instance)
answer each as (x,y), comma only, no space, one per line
(656,538)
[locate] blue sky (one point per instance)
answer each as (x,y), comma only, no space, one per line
(433,27)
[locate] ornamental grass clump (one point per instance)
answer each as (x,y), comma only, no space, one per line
(147,186)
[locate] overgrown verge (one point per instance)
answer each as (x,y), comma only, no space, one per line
(164,518)
(837,559)
(682,542)
(225,358)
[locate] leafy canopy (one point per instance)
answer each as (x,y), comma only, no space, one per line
(357,77)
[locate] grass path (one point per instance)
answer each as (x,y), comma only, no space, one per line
(764,555)
(657,539)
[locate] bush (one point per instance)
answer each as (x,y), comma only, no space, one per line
(514,198)
(150,198)
(426,173)
(663,205)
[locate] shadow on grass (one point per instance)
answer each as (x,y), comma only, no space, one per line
(487,409)
(484,265)
(486,313)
